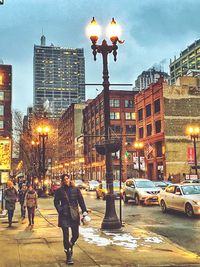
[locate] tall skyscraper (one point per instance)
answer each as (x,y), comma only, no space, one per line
(59,78)
(149,76)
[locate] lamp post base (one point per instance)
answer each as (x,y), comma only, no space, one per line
(110,220)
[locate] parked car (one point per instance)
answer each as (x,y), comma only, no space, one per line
(101,190)
(143,191)
(162,184)
(191,181)
(92,185)
(181,197)
(79,183)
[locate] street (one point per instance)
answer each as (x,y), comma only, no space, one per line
(176,227)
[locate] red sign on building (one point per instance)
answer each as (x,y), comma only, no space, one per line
(190,155)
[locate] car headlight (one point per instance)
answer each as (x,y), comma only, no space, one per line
(197,202)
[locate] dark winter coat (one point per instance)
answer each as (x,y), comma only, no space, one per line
(21,196)
(62,205)
(10,196)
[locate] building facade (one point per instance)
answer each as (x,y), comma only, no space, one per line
(70,145)
(163,113)
(59,78)
(123,127)
(188,60)
(5,100)
(147,77)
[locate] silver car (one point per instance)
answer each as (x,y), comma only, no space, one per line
(181,197)
(140,190)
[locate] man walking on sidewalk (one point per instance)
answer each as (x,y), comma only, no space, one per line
(10,196)
(21,196)
(66,201)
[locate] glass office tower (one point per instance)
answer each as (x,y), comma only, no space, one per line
(59,78)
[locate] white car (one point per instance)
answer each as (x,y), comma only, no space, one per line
(92,185)
(181,197)
(140,190)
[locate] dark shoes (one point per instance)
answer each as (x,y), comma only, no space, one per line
(69,259)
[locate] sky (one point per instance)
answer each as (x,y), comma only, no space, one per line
(154,31)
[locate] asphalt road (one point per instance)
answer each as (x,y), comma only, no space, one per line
(176,227)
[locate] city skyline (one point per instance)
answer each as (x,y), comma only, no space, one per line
(149,39)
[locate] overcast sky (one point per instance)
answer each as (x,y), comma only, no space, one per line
(154,31)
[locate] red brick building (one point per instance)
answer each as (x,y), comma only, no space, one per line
(123,126)
(5,100)
(149,107)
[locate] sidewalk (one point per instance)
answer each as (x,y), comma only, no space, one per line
(42,246)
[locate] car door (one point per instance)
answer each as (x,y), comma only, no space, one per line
(129,189)
(178,199)
(168,196)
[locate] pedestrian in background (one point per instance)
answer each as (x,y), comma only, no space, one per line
(10,196)
(30,202)
(66,201)
(21,197)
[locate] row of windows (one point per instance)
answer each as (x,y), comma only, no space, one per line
(149,129)
(148,110)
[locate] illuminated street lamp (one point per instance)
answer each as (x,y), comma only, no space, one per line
(193,132)
(43,137)
(138,147)
(110,220)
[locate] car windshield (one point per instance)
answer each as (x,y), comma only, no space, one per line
(145,184)
(116,183)
(160,184)
(191,189)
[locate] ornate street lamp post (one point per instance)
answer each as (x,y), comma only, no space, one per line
(43,137)
(138,147)
(194,132)
(110,220)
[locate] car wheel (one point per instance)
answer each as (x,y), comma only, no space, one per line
(137,200)
(163,206)
(189,210)
(125,199)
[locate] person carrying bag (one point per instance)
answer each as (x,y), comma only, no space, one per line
(66,201)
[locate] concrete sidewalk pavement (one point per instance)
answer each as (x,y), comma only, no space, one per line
(42,246)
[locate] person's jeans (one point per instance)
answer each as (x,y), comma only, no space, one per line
(23,211)
(75,235)
(10,216)
(31,214)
